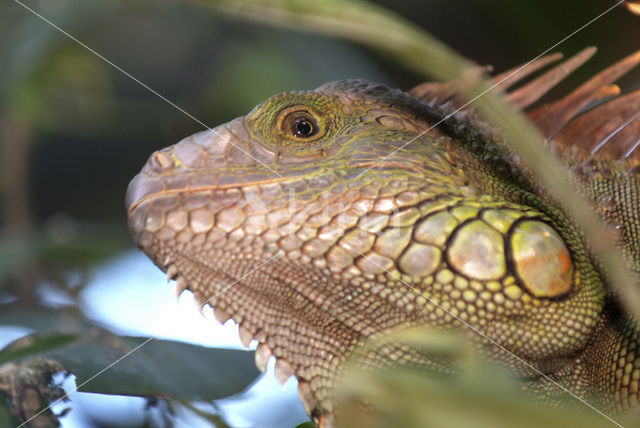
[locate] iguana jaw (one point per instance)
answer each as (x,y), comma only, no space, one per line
(187,219)
(191,231)
(246,296)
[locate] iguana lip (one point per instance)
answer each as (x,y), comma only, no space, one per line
(143,188)
(140,189)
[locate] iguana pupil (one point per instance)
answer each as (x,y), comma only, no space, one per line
(303,128)
(301,124)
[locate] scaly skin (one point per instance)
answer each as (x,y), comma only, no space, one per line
(325,253)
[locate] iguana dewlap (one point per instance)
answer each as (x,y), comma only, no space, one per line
(312,224)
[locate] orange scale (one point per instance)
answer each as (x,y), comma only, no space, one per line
(542,260)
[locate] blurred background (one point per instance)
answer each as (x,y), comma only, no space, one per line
(74,131)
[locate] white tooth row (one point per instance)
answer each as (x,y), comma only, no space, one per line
(262,355)
(172,271)
(263,352)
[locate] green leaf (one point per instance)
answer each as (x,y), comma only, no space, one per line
(159,367)
(63,243)
(108,364)
(477,393)
(34,345)
(7,419)
(66,320)
(403,397)
(137,366)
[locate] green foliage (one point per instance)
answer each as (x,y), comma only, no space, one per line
(60,245)
(35,345)
(479,394)
(109,364)
(150,368)
(7,419)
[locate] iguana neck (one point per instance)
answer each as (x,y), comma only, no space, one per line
(611,362)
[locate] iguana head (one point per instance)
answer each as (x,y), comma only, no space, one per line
(325,218)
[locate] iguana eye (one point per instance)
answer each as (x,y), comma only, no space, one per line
(300,124)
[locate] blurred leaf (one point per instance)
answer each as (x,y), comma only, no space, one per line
(34,44)
(7,419)
(61,243)
(149,367)
(255,71)
(45,320)
(14,253)
(157,368)
(75,244)
(56,91)
(402,397)
(480,394)
(34,345)
(236,83)
(307,424)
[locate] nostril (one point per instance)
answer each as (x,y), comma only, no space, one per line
(161,161)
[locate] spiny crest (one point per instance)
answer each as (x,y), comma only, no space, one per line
(359,92)
(580,125)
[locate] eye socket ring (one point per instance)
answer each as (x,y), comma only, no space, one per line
(300,124)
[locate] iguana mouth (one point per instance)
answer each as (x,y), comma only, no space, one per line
(222,158)
(142,189)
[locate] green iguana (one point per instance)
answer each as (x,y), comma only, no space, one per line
(315,226)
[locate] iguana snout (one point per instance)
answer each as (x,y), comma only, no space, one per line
(218,158)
